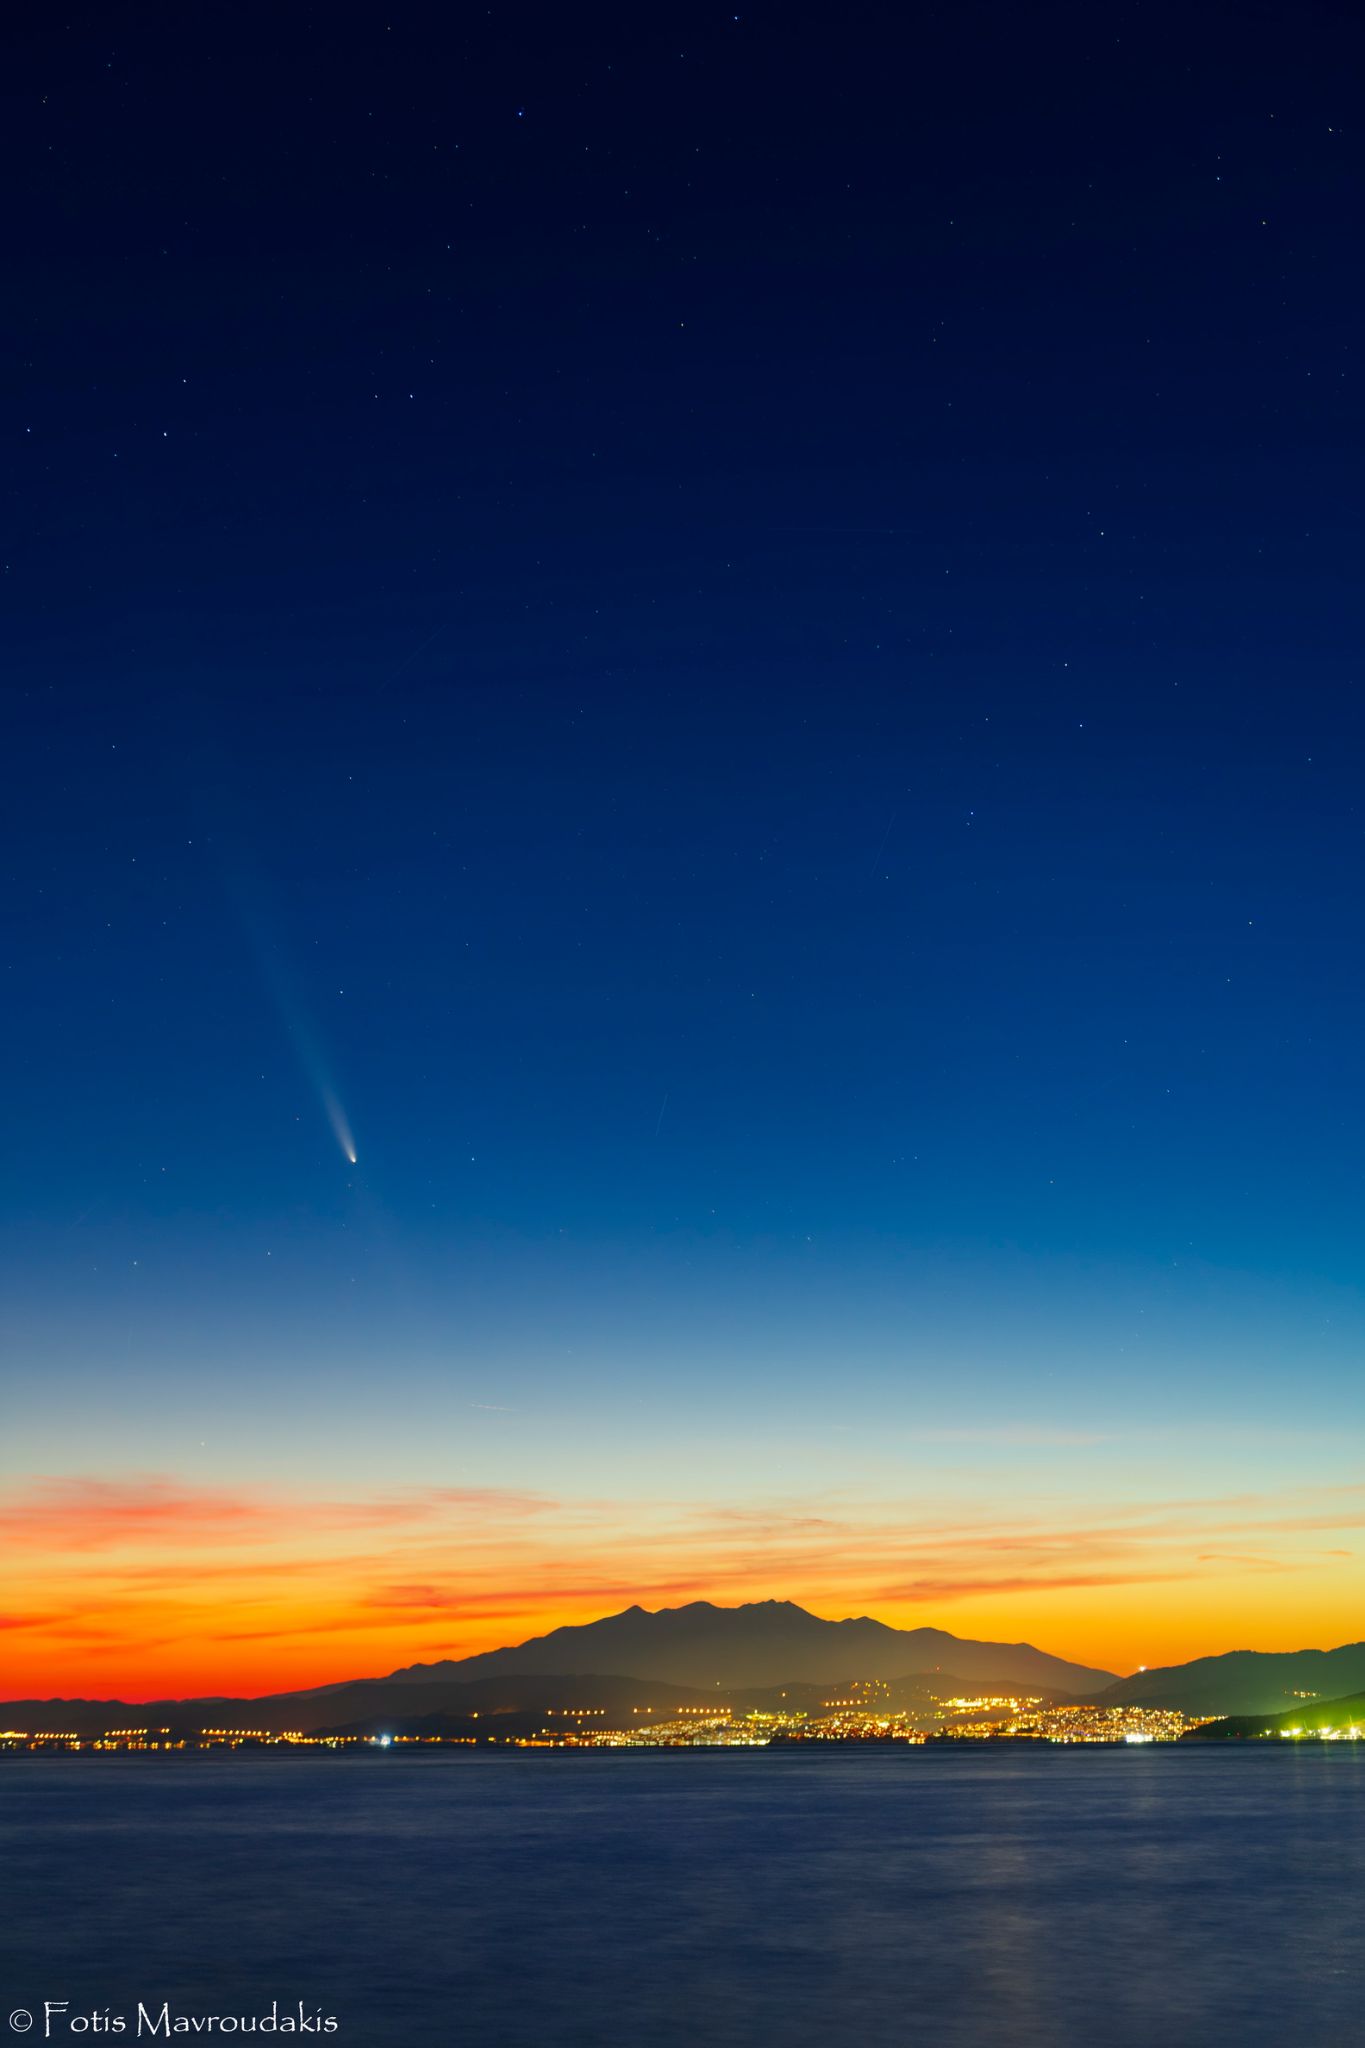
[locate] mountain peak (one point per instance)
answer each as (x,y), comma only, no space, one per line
(761,1643)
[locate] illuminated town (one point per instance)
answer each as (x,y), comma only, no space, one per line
(1032,1720)
(862,1713)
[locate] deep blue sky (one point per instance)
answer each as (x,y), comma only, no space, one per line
(744,631)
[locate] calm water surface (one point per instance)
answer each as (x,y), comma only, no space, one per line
(875,1898)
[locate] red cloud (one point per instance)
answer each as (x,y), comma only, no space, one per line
(88,1513)
(85,1513)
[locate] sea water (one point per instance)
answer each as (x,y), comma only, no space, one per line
(870,1897)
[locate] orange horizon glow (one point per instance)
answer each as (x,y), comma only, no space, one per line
(152,1588)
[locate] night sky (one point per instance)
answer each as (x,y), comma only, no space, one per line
(729,645)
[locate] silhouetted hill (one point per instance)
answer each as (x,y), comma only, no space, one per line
(1310,1716)
(698,1650)
(1243,1681)
(767,1642)
(701,1649)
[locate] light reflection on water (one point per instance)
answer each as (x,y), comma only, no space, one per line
(1107,1897)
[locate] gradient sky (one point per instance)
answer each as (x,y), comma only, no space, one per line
(729,644)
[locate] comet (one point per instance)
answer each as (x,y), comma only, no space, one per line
(336,1117)
(281,987)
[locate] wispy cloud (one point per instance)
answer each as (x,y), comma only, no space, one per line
(79,1513)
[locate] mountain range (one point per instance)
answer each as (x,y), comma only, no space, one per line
(766,1642)
(686,1656)
(694,1652)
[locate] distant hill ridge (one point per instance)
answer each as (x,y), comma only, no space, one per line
(1309,1717)
(764,1642)
(1244,1681)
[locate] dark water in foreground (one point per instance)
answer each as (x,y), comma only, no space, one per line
(872,1898)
